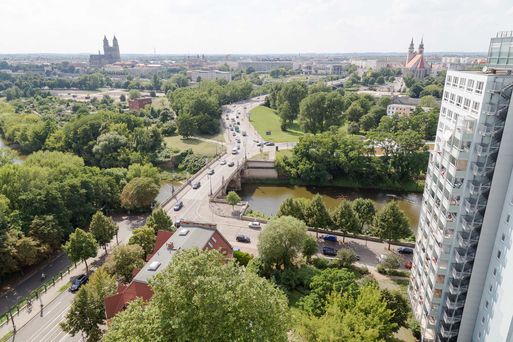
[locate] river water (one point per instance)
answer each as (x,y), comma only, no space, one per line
(267,198)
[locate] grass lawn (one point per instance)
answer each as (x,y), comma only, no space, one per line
(265,119)
(260,156)
(283,153)
(198,146)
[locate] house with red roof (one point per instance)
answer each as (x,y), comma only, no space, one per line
(416,65)
(190,235)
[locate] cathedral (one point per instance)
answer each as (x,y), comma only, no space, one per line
(110,54)
(416,65)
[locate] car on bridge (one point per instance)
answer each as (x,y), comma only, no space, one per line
(235,150)
(210,172)
(243,238)
(196,185)
(78,282)
(178,206)
(230,164)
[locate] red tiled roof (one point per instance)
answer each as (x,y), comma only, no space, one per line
(118,302)
(416,62)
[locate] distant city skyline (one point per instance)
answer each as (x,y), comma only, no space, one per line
(252,26)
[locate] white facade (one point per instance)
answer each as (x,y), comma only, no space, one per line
(466,184)
(402,109)
(266,66)
(209,75)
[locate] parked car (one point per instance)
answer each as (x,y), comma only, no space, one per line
(330,238)
(196,185)
(329,251)
(230,164)
(178,222)
(237,140)
(210,172)
(178,206)
(223,162)
(234,134)
(243,238)
(405,250)
(255,224)
(78,282)
(269,143)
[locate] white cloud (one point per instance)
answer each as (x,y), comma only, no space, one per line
(251,26)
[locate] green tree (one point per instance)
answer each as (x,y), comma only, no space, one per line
(46,229)
(80,246)
(344,219)
(134,94)
(185,125)
(310,248)
(292,93)
(123,260)
(346,257)
(391,223)
(281,241)
(87,312)
(160,220)
(139,193)
(293,207)
(233,198)
(28,250)
(103,229)
(428,101)
(143,170)
(7,156)
(364,210)
(242,258)
(316,213)
(320,111)
(145,237)
(202,297)
(399,305)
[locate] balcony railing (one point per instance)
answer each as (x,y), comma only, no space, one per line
(469,222)
(472,204)
(487,149)
(455,303)
(481,169)
(457,289)
(478,187)
(448,332)
(464,256)
(460,274)
(466,240)
(451,318)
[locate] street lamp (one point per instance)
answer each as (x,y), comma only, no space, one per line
(210,181)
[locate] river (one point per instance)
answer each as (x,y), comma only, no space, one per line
(267,198)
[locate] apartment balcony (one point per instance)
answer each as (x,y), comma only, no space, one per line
(452,316)
(460,152)
(478,187)
(483,150)
(471,222)
(473,205)
(466,240)
(447,332)
(481,169)
(462,256)
(489,129)
(460,272)
(457,288)
(463,133)
(455,302)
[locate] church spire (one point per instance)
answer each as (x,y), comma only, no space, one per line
(421,46)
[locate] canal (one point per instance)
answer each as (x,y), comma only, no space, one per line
(267,198)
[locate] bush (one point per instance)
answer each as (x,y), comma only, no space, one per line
(320,263)
(345,258)
(293,278)
(414,326)
(257,214)
(391,261)
(192,163)
(391,272)
(242,258)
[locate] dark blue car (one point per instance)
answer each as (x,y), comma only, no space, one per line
(331,238)
(329,251)
(77,282)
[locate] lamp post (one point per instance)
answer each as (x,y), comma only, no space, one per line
(210,182)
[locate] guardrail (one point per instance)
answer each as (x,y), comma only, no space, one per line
(33,295)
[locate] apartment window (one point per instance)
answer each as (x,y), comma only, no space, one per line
(503,237)
(470,85)
(446,95)
(449,80)
(455,81)
(462,83)
(491,288)
(507,218)
(452,98)
(459,100)
(479,87)
(466,104)
(495,271)
(475,107)
(499,254)
(486,304)
(482,319)
(449,114)
(443,111)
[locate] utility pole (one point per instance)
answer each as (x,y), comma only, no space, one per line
(41,303)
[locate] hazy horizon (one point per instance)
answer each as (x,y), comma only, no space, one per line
(252,27)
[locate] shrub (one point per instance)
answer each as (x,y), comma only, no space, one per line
(242,258)
(320,263)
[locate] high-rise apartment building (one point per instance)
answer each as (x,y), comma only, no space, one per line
(465,207)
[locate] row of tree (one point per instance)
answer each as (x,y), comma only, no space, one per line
(356,217)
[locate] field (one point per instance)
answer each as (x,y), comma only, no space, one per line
(198,146)
(265,119)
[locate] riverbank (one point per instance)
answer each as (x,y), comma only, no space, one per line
(408,187)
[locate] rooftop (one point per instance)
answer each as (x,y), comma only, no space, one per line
(186,237)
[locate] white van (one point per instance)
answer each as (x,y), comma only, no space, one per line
(234,150)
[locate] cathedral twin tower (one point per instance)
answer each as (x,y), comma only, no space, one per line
(110,54)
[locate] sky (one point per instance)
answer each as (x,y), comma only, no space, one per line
(251,26)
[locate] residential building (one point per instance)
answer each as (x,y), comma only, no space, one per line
(266,66)
(139,103)
(500,53)
(209,75)
(402,109)
(190,235)
(464,211)
(110,54)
